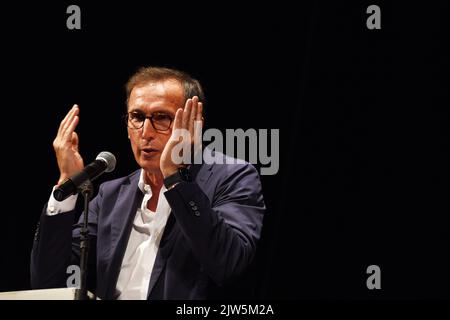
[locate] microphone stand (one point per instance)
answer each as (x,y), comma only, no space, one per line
(86,190)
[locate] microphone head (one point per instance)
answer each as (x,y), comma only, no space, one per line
(109,158)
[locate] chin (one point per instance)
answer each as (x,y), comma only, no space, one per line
(150,165)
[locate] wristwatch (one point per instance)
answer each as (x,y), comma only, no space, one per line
(181,175)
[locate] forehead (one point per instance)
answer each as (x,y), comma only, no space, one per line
(166,93)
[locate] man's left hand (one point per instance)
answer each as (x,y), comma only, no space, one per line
(182,132)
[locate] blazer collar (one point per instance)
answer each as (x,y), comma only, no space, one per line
(123,215)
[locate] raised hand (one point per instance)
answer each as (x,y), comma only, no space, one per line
(182,134)
(66,146)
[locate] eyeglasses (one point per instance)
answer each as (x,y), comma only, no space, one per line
(160,121)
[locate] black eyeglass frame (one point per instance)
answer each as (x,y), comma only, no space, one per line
(144,117)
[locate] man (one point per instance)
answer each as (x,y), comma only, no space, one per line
(166,231)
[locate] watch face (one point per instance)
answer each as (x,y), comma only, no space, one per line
(185,175)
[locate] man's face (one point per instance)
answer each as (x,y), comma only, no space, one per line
(162,98)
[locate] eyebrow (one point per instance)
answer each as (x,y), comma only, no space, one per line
(156,111)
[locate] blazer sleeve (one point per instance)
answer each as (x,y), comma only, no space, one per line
(222,233)
(56,246)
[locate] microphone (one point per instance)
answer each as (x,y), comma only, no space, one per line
(105,162)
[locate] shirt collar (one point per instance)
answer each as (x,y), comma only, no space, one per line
(144,187)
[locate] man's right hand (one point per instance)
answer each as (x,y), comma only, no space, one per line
(66,146)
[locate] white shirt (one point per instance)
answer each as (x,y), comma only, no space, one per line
(143,244)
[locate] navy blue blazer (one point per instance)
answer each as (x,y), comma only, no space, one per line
(209,240)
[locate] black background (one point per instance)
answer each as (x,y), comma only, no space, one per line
(363,118)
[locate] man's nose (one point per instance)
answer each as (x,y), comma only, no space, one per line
(148,132)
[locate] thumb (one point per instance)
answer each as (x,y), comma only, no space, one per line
(75,140)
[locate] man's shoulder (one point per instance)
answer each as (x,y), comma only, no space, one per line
(225,165)
(228,177)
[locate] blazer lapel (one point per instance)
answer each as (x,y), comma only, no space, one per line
(128,200)
(168,239)
(200,174)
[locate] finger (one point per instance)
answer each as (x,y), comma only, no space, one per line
(177,122)
(63,122)
(186,114)
(67,118)
(67,135)
(199,112)
(71,116)
(193,115)
(75,141)
(198,126)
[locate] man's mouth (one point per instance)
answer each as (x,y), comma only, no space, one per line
(149,151)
